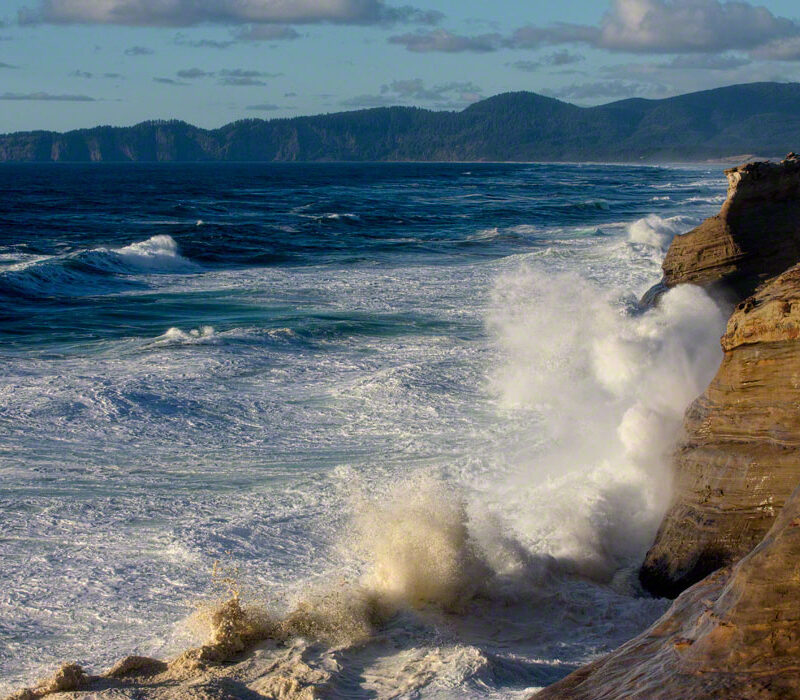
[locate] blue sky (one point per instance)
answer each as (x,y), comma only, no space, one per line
(72,63)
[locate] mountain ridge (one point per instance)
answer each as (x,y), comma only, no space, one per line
(514,126)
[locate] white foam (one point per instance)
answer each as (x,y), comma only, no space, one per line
(609,388)
(176,336)
(657,231)
(156,254)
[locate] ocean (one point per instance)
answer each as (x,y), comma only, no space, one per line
(315,384)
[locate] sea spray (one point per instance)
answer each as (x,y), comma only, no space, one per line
(657,231)
(128,469)
(609,386)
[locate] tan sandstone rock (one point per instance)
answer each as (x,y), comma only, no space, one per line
(740,456)
(755,236)
(736,634)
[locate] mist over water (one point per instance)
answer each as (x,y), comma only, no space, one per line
(415,408)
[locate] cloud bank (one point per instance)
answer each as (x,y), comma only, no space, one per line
(642,26)
(181,13)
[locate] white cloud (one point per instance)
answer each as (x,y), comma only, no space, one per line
(684,26)
(787,49)
(191,12)
(641,26)
(676,27)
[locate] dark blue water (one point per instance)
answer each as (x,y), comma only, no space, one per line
(207,362)
(65,218)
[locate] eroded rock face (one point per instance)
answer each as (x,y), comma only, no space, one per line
(755,236)
(736,634)
(740,457)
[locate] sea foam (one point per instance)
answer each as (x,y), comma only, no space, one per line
(609,385)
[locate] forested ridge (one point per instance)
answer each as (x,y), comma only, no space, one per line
(756,118)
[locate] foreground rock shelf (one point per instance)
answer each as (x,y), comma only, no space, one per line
(736,634)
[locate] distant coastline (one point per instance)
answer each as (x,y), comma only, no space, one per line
(710,126)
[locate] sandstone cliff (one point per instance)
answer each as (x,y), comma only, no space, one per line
(740,457)
(736,634)
(755,236)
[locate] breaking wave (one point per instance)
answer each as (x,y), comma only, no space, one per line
(609,386)
(656,231)
(94,271)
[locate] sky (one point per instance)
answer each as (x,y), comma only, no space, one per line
(67,64)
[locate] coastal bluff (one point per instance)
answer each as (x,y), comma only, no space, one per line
(729,545)
(739,459)
(755,236)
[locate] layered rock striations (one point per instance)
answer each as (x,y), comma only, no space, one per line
(736,634)
(740,456)
(755,236)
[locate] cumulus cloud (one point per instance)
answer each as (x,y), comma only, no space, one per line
(191,12)
(676,26)
(787,49)
(442,40)
(683,26)
(452,95)
(8,65)
(90,76)
(642,26)
(45,97)
(139,51)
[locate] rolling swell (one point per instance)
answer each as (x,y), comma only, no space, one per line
(95,271)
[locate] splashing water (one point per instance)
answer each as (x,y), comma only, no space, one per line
(609,386)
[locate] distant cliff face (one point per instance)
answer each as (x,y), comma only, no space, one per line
(736,634)
(755,236)
(755,118)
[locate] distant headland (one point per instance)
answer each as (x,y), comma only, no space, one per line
(755,118)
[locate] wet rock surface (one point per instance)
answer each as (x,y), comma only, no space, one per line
(755,236)
(740,457)
(736,634)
